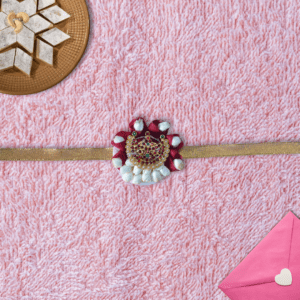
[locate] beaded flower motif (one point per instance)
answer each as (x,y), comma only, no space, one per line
(147,155)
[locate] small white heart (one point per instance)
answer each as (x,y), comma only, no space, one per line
(284,278)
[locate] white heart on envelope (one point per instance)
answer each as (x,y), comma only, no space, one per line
(284,278)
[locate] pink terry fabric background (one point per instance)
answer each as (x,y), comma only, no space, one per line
(220,72)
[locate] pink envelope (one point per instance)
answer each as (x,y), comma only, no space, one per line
(254,277)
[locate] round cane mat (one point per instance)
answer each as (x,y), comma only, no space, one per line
(66,55)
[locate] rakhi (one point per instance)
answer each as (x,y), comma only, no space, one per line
(147,154)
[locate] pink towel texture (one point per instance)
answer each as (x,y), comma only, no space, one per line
(220,72)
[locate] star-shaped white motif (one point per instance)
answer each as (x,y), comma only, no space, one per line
(52,14)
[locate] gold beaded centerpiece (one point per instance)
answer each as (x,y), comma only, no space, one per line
(147,152)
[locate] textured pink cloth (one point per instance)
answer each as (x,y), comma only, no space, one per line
(220,72)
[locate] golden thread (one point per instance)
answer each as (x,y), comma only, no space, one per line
(239,150)
(29,154)
(56,154)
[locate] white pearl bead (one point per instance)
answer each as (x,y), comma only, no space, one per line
(178,163)
(118,139)
(137,179)
(125,169)
(117,162)
(128,163)
(176,141)
(127,177)
(137,170)
(156,176)
(146,177)
(159,168)
(165,171)
(139,125)
(163,126)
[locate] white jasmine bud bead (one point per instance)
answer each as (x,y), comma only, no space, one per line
(156,176)
(176,141)
(178,163)
(128,163)
(125,169)
(118,139)
(127,177)
(159,168)
(137,179)
(165,171)
(117,162)
(163,126)
(146,177)
(137,170)
(139,125)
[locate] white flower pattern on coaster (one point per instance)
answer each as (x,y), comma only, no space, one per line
(20,22)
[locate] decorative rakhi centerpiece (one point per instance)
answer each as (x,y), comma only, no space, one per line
(147,154)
